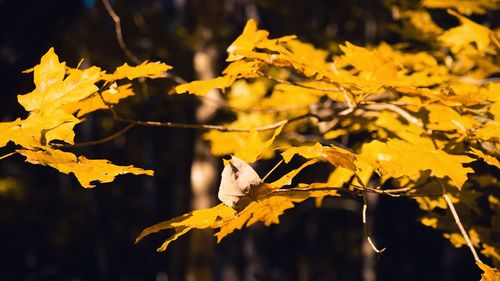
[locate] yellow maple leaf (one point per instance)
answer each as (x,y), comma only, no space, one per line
(6,131)
(266,207)
(419,25)
(245,95)
(466,7)
(444,118)
(85,170)
(202,87)
(487,158)
(467,32)
(97,101)
(489,273)
(287,178)
(247,40)
(196,219)
(398,158)
(41,128)
(335,155)
(489,131)
(269,208)
(146,70)
(254,146)
(372,64)
(53,90)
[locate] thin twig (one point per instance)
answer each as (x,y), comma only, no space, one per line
(118,32)
(350,103)
(99,141)
(321,89)
(461,227)
(7,155)
(212,127)
(394,108)
(272,170)
(365,224)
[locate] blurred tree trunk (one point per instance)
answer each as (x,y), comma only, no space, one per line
(204,166)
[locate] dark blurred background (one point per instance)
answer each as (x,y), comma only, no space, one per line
(52,229)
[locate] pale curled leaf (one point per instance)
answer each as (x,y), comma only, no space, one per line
(236,181)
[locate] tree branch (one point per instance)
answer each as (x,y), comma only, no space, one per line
(219,128)
(118,32)
(99,141)
(7,155)
(394,108)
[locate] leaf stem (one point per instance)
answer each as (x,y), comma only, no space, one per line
(119,34)
(461,227)
(7,155)
(272,170)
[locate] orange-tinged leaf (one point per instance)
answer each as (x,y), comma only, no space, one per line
(202,87)
(339,157)
(146,70)
(85,170)
(335,155)
(467,32)
(398,158)
(489,273)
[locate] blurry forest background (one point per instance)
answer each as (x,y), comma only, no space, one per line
(52,229)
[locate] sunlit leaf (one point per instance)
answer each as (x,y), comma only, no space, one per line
(254,146)
(466,7)
(489,274)
(146,70)
(85,170)
(335,155)
(53,90)
(202,87)
(467,32)
(487,158)
(399,158)
(100,101)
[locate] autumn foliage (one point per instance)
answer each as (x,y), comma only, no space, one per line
(389,119)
